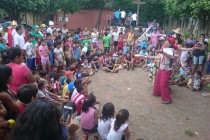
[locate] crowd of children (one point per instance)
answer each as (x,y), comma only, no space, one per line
(65,60)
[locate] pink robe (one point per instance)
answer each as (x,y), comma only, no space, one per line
(10,37)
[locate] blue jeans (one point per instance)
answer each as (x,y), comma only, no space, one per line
(51,57)
(31,63)
(208,67)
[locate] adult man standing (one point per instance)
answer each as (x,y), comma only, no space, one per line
(50,28)
(11,33)
(123,14)
(18,38)
(134,18)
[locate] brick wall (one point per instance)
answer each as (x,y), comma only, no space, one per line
(83,18)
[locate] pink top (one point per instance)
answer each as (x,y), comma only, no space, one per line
(87,119)
(155,38)
(19,73)
(43,52)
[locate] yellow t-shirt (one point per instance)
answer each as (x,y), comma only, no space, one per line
(65,91)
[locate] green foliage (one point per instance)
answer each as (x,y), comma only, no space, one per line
(3,14)
(157,12)
(46,7)
(183,8)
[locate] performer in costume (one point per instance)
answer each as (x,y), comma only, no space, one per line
(11,33)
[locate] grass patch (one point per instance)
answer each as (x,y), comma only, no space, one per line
(191,133)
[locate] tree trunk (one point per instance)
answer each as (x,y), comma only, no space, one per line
(98,23)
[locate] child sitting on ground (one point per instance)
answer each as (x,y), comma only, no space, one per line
(182,73)
(196,85)
(103,59)
(143,54)
(105,121)
(95,63)
(188,78)
(26,94)
(89,115)
(119,127)
(44,94)
(109,67)
(57,87)
(129,61)
(119,62)
(87,67)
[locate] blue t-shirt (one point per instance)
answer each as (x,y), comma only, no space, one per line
(182,71)
(77,38)
(143,53)
(3,48)
(143,44)
(71,86)
(78,75)
(126,49)
(77,53)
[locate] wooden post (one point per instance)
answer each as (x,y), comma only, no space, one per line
(138,2)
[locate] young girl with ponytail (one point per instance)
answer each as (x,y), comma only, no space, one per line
(119,127)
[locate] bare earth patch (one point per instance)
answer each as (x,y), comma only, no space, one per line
(149,118)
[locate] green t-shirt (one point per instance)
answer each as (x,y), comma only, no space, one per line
(107,40)
(86,43)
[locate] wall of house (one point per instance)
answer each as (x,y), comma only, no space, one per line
(82,18)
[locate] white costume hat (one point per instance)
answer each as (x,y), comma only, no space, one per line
(51,23)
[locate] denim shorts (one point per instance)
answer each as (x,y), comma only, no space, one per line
(198,60)
(45,61)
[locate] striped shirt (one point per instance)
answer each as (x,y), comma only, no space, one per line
(78,100)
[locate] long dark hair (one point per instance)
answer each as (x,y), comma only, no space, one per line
(121,118)
(39,121)
(88,102)
(5,73)
(107,111)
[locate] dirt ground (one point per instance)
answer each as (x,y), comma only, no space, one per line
(150,119)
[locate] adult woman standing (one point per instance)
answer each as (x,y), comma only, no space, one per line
(199,54)
(21,73)
(164,72)
(6,96)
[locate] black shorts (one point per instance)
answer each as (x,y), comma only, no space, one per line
(115,43)
(106,50)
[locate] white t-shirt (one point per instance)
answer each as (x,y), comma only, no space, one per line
(134,17)
(19,40)
(49,30)
(115,35)
(58,53)
(116,135)
(5,37)
(65,31)
(29,49)
(123,14)
(13,33)
(184,56)
(165,63)
(94,37)
(104,128)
